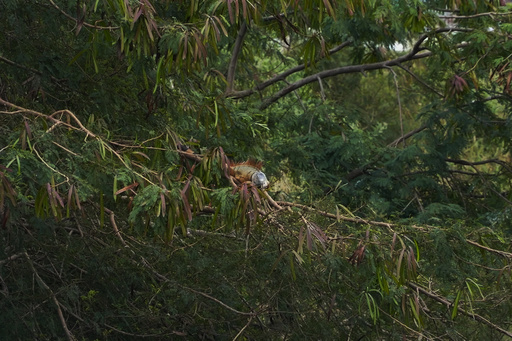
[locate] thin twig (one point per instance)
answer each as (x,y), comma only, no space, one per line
(449,304)
(399,105)
(340,217)
(85,24)
(69,335)
(242,330)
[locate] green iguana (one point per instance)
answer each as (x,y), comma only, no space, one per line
(249,170)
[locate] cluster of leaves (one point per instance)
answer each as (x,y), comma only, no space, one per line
(393,117)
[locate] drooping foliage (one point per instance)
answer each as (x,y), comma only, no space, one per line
(384,128)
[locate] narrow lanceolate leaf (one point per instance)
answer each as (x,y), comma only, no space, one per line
(51,198)
(329,8)
(292,265)
(415,308)
(102,211)
(171,222)
(68,202)
(77,200)
(126,188)
(162,200)
(186,205)
(300,249)
(230,11)
(456,304)
(393,243)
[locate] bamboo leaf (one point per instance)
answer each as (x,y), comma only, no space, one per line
(456,304)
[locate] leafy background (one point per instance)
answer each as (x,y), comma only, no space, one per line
(384,127)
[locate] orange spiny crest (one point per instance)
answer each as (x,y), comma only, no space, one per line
(250,163)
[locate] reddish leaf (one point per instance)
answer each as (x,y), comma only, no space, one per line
(138,13)
(358,255)
(162,198)
(5,217)
(77,200)
(186,205)
(126,188)
(507,84)
(309,241)
(255,194)
(318,233)
(28,130)
(70,194)
(230,11)
(57,197)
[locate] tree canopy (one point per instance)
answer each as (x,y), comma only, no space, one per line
(384,128)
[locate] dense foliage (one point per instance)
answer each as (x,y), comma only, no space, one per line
(384,128)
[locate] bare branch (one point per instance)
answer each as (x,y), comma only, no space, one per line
(498,252)
(419,80)
(234,58)
(406,136)
(77,21)
(483,162)
(340,217)
(10,62)
(487,14)
(399,104)
(338,71)
(69,335)
(413,54)
(282,76)
(449,304)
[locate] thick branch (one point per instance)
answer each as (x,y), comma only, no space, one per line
(234,58)
(282,76)
(412,55)
(483,162)
(338,71)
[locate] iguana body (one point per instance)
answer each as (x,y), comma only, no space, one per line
(249,171)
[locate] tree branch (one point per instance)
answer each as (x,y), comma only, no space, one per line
(10,62)
(449,304)
(340,217)
(419,80)
(282,76)
(498,252)
(406,136)
(483,162)
(77,22)
(338,71)
(412,55)
(234,58)
(69,335)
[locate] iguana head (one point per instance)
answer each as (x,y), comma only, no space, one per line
(260,180)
